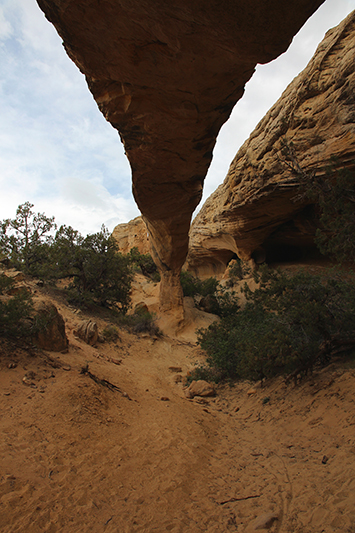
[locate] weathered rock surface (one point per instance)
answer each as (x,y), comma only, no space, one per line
(87,331)
(51,334)
(132,234)
(253,213)
(166,75)
(200,388)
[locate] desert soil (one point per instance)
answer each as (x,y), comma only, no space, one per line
(76,456)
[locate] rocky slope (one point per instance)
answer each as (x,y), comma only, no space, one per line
(167,75)
(254,212)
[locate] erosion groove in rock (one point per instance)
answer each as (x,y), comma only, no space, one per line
(254,208)
(166,75)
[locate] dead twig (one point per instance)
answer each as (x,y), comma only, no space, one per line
(107,521)
(239,499)
(103,382)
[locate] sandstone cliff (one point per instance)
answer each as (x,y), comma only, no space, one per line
(254,211)
(167,75)
(131,235)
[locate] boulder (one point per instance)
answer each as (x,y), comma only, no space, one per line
(257,214)
(87,331)
(15,275)
(167,75)
(209,303)
(49,327)
(264,521)
(200,388)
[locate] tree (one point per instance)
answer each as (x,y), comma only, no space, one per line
(144,263)
(100,274)
(25,240)
(14,310)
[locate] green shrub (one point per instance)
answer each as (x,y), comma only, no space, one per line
(191,286)
(144,263)
(332,190)
(238,270)
(227,303)
(335,236)
(14,311)
(204,372)
(100,275)
(141,322)
(288,325)
(110,333)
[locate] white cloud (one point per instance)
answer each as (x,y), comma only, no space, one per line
(6,29)
(52,135)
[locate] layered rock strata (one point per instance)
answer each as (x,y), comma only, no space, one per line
(166,75)
(254,212)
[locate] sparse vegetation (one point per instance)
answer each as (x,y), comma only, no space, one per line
(204,372)
(289,324)
(110,333)
(14,310)
(140,322)
(144,263)
(191,286)
(238,270)
(332,190)
(26,240)
(98,274)
(336,198)
(214,298)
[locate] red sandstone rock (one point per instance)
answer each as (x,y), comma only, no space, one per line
(200,388)
(133,234)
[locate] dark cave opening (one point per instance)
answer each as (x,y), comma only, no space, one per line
(284,253)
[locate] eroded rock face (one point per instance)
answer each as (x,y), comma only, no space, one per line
(133,234)
(166,75)
(51,328)
(254,211)
(87,330)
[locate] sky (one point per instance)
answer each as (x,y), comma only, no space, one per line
(58,152)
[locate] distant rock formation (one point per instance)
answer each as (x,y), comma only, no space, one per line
(133,234)
(253,213)
(166,75)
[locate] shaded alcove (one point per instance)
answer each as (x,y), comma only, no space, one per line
(293,241)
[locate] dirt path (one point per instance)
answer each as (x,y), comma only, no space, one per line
(78,457)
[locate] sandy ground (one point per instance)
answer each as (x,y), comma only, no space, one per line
(78,457)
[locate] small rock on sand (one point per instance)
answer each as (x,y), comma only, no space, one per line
(264,521)
(200,388)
